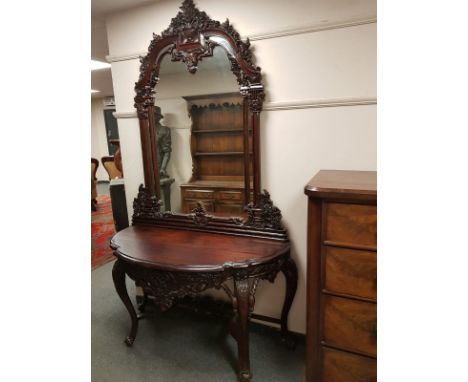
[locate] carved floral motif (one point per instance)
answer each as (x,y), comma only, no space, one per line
(199,215)
(168,286)
(146,206)
(265,215)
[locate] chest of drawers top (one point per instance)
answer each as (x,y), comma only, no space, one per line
(346,185)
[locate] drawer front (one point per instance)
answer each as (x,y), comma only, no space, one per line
(230,195)
(339,366)
(199,194)
(351,223)
(349,271)
(350,324)
(189,205)
(229,208)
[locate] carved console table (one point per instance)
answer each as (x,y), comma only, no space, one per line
(171,263)
(172,255)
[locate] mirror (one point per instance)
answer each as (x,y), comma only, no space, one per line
(203,139)
(198,99)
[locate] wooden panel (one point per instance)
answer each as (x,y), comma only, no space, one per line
(338,366)
(351,223)
(199,194)
(220,165)
(229,208)
(219,142)
(350,272)
(230,195)
(350,324)
(313,290)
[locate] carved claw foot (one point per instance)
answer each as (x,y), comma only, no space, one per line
(288,341)
(129,341)
(245,376)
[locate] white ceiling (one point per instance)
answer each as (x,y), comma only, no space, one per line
(102,79)
(101,8)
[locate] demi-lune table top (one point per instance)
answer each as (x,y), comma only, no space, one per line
(184,250)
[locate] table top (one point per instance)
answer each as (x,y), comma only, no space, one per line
(183,250)
(340,183)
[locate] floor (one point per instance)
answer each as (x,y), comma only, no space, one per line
(177,345)
(102,188)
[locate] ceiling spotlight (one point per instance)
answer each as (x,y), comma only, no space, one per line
(96,65)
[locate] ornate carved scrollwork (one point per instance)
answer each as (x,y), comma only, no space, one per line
(146,205)
(199,215)
(255,96)
(265,215)
(190,48)
(187,39)
(168,286)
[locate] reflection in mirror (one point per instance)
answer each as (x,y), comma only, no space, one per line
(200,131)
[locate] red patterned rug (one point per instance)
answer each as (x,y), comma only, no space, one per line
(102,230)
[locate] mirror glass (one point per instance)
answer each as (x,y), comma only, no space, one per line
(200,129)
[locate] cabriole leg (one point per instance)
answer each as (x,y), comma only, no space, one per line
(242,310)
(118,275)
(289,270)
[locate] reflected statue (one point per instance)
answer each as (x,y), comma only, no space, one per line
(163,139)
(164,149)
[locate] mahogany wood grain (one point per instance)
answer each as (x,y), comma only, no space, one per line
(341,277)
(350,324)
(351,223)
(313,368)
(350,272)
(341,366)
(172,249)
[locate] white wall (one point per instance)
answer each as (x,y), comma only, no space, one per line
(318,59)
(98,136)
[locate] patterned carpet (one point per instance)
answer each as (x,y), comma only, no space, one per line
(102,230)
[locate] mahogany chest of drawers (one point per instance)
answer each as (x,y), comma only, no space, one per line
(342,277)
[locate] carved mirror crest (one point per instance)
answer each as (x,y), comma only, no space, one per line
(206,151)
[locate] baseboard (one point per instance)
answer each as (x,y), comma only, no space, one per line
(209,306)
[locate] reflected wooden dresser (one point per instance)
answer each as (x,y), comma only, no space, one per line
(342,277)
(217,146)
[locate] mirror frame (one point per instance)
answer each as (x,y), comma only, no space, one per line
(191,36)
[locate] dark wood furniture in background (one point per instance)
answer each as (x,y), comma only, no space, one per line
(117,155)
(218,155)
(109,164)
(342,277)
(172,255)
(94,167)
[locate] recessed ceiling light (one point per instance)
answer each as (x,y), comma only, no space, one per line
(94,91)
(96,65)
